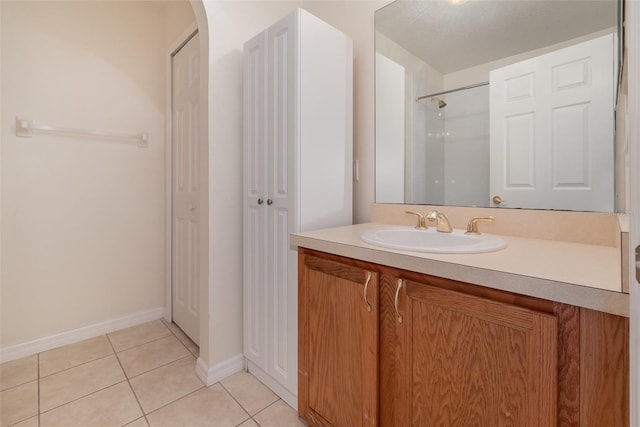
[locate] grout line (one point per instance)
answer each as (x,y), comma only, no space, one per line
(137,419)
(126,378)
(267,407)
(178,338)
(138,345)
(144,414)
(75,366)
(81,364)
(24,383)
(183,397)
(236,400)
(175,400)
(82,397)
(158,367)
(250,418)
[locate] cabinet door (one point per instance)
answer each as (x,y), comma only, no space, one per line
(255,200)
(455,359)
(281,298)
(338,343)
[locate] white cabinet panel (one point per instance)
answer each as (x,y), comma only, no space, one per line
(519,88)
(297,158)
(570,142)
(520,151)
(254,200)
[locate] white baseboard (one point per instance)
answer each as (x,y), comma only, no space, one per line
(276,387)
(220,371)
(70,337)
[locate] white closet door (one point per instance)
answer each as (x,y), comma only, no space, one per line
(255,200)
(281,171)
(186,191)
(552,129)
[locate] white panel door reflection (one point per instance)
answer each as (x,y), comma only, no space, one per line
(552,128)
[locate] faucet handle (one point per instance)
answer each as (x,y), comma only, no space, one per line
(472,227)
(421,224)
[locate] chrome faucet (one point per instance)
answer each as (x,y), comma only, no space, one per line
(441,220)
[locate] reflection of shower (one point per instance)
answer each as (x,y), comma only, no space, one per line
(441,103)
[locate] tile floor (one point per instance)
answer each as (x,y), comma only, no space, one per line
(137,377)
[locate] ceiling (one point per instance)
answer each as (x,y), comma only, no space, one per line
(451,37)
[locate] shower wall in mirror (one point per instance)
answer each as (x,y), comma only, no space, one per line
(453,128)
(445,134)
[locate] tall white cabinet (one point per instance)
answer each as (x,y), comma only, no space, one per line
(298,119)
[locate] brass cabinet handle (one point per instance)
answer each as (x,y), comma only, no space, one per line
(366,288)
(497,200)
(397,300)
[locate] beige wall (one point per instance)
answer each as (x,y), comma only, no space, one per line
(355,18)
(83,220)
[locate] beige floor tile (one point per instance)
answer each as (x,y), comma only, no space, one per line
(137,335)
(208,407)
(168,383)
(66,357)
(249,392)
(140,422)
(154,354)
(113,406)
(18,403)
(31,422)
(18,372)
(249,423)
(184,339)
(74,383)
(279,415)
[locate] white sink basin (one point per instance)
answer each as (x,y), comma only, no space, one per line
(410,239)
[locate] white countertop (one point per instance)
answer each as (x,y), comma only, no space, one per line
(578,274)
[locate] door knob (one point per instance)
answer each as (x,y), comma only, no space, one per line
(260,201)
(497,200)
(269,202)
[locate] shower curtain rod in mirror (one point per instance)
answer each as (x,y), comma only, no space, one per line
(451,90)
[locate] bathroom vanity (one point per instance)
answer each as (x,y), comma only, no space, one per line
(397,338)
(535,334)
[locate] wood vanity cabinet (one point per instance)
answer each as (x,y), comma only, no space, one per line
(338,326)
(455,354)
(458,359)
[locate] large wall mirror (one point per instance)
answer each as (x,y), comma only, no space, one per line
(497,103)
